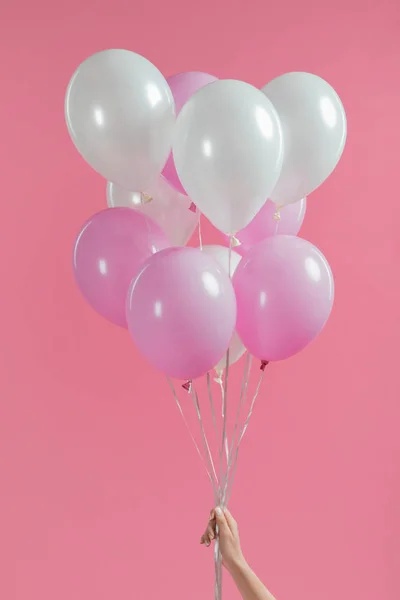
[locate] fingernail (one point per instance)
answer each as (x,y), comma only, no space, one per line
(207,544)
(218,511)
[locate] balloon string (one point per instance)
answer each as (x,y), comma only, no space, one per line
(210,397)
(243,430)
(143,201)
(213,414)
(230,256)
(220,382)
(200,234)
(175,395)
(277,217)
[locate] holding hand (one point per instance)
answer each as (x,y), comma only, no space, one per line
(247,582)
(228,533)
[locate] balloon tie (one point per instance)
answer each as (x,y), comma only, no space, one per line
(187,386)
(277,214)
(192,207)
(145,198)
(235,242)
(218,378)
(263,365)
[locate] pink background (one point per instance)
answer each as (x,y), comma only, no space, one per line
(101,494)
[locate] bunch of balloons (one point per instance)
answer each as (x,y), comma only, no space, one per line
(243,158)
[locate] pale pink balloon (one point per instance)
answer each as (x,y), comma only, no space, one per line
(181,312)
(284,290)
(228,260)
(267,224)
(183,86)
(108,251)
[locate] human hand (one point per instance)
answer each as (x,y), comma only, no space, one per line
(228,534)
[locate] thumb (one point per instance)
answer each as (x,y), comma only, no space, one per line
(221,521)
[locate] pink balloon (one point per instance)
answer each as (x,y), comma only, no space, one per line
(181,312)
(183,86)
(284,290)
(265,225)
(108,251)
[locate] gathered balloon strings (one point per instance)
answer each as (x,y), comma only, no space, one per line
(241,404)
(205,462)
(233,467)
(217,571)
(221,482)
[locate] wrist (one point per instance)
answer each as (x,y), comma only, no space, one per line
(237,566)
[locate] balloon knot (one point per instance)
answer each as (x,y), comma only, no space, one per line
(187,386)
(146,198)
(193,207)
(235,242)
(277,216)
(264,363)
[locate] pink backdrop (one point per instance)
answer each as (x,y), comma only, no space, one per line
(101,494)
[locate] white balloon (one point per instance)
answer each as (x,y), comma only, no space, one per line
(314,133)
(166,206)
(120,114)
(221,255)
(228,152)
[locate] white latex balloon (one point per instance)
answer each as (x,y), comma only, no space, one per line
(228,152)
(221,255)
(120,114)
(166,206)
(314,133)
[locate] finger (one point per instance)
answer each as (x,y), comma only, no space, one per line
(221,521)
(210,532)
(233,526)
(204,538)
(208,535)
(212,515)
